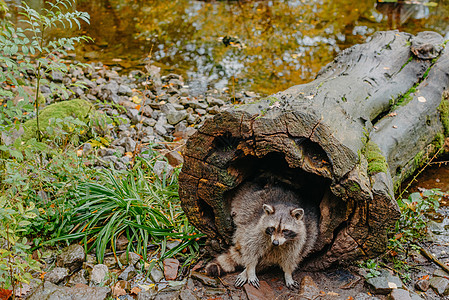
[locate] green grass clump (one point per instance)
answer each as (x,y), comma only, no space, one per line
(136,204)
(376,161)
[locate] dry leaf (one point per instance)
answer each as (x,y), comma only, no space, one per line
(135,290)
(392,285)
(425,277)
(5,294)
(136,99)
(118,291)
(422,99)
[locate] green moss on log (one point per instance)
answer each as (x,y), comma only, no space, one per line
(376,161)
(444,112)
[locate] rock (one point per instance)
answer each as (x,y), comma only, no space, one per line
(422,285)
(110,261)
(125,90)
(171,266)
(399,294)
(166,296)
(215,102)
(201,111)
(187,295)
(87,148)
(56,275)
(204,279)
(162,169)
(364,296)
(121,243)
(174,158)
(384,283)
(78,278)
(71,257)
(128,143)
(134,115)
(213,110)
(262,293)
(56,76)
(146,295)
(308,289)
(440,285)
(156,274)
(218,291)
(130,258)
(440,273)
(128,273)
(111,88)
(174,117)
(50,291)
(99,274)
(10,136)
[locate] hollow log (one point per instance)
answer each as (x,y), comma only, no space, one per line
(346,140)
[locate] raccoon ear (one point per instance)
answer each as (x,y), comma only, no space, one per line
(268,209)
(297,213)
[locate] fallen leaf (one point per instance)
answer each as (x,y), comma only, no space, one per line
(421,99)
(5,294)
(394,126)
(136,99)
(425,277)
(393,114)
(135,290)
(147,287)
(129,154)
(118,291)
(333,294)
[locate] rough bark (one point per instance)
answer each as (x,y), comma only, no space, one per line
(346,139)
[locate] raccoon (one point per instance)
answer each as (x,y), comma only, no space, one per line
(272,227)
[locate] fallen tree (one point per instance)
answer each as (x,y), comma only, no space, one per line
(346,139)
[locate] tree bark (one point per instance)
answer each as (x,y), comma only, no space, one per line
(346,139)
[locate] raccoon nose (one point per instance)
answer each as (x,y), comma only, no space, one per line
(276,243)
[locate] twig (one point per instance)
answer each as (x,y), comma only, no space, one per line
(432,258)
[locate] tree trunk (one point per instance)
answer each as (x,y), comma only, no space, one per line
(346,139)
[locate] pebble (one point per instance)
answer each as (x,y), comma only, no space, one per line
(264,292)
(56,275)
(99,274)
(204,279)
(130,258)
(384,283)
(171,266)
(71,257)
(128,273)
(308,288)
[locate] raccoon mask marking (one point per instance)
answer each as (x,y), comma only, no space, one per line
(282,232)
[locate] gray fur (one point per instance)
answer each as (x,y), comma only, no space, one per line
(254,209)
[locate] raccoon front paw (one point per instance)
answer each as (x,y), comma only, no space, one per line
(292,284)
(254,281)
(241,279)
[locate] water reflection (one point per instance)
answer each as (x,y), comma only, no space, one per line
(271,44)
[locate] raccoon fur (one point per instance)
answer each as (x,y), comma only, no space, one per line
(272,227)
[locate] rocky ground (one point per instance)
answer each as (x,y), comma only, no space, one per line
(162,110)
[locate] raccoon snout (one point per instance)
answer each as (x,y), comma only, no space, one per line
(275,243)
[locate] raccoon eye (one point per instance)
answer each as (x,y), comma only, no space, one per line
(289,234)
(269,230)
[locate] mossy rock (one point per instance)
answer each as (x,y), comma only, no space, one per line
(77,108)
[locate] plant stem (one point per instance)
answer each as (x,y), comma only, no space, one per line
(36,103)
(11,271)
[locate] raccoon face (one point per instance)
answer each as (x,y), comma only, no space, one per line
(281,228)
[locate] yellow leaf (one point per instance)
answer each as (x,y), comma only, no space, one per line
(136,99)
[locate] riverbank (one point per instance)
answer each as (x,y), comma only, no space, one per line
(152,115)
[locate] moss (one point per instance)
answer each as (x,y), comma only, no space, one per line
(354,188)
(443,108)
(376,161)
(272,100)
(438,141)
(76,108)
(419,159)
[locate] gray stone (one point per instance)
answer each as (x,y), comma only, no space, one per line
(71,257)
(308,289)
(110,261)
(130,258)
(56,275)
(87,148)
(78,278)
(163,169)
(10,136)
(384,283)
(187,295)
(128,273)
(106,151)
(174,117)
(215,102)
(50,291)
(134,115)
(125,90)
(201,111)
(111,88)
(440,285)
(128,143)
(440,273)
(149,122)
(204,279)
(399,294)
(166,296)
(364,296)
(422,285)
(146,295)
(56,76)
(213,110)
(99,274)
(156,274)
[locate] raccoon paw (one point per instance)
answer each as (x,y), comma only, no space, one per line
(214,269)
(241,279)
(292,284)
(254,281)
